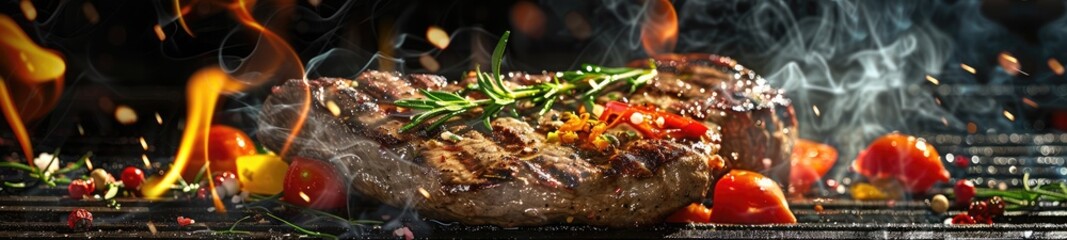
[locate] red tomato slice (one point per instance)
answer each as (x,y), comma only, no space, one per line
(746,197)
(908,159)
(810,162)
(315,184)
(695,212)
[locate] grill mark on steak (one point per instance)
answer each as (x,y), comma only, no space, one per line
(474,160)
(642,158)
(516,135)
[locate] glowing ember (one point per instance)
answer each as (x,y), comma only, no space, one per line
(125,115)
(28,10)
(305,197)
(815,109)
(528,19)
(424,193)
(578,26)
(429,63)
(967,68)
(1055,66)
(32,74)
(159,32)
(933,80)
(90,12)
(147,163)
(1030,103)
(1009,63)
(659,33)
(334,109)
(438,37)
(1008,115)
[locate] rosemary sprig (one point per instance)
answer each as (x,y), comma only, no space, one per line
(442,106)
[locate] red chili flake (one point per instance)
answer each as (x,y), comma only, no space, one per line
(184,221)
(80,219)
(961,162)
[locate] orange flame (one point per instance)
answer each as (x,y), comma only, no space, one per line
(659,33)
(30,71)
(272,59)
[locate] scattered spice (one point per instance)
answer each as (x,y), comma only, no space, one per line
(80,219)
(184,221)
(404,232)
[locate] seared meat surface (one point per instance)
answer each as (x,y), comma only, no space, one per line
(511,175)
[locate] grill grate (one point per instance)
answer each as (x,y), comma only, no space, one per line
(994,160)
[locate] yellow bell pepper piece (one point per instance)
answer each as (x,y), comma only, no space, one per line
(261,173)
(866,191)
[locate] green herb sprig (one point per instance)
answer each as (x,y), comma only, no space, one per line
(1029,196)
(590,82)
(42,175)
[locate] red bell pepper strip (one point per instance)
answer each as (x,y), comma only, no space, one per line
(651,122)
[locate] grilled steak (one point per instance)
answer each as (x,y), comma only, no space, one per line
(511,175)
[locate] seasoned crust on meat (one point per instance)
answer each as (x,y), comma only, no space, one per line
(508,175)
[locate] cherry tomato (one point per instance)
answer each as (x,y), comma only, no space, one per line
(315,184)
(696,213)
(225,145)
(79,188)
(964,191)
(746,197)
(132,178)
(908,159)
(810,162)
